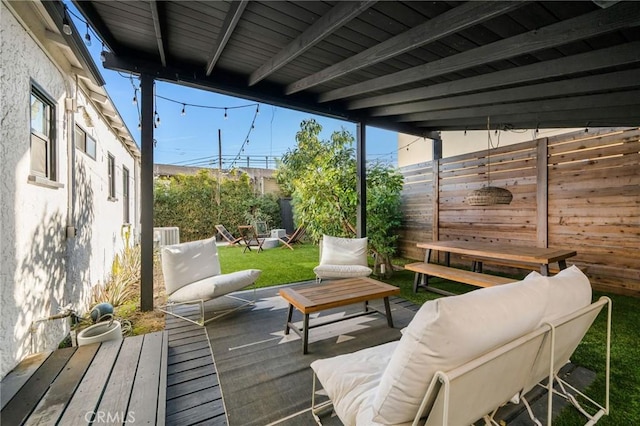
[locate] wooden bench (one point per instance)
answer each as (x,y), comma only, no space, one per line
(478,261)
(425,270)
(111,382)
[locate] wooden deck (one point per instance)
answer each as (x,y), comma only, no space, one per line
(193,391)
(112,382)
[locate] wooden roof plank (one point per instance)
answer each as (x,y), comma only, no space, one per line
(591,61)
(448,23)
(323,27)
(603,21)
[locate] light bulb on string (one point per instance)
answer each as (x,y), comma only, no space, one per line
(103,54)
(183,112)
(66,28)
(135,96)
(258,109)
(225,113)
(87,37)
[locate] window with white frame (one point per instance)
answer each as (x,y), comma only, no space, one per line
(125,195)
(111,174)
(43,135)
(85,143)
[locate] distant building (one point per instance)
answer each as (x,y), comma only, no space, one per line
(70,186)
(263,180)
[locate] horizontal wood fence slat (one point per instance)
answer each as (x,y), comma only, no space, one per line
(592,201)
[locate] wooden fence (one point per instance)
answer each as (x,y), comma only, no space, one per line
(579,191)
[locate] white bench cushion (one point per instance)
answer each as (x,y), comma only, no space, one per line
(186,263)
(448,332)
(351,379)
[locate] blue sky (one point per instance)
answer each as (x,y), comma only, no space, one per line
(192,138)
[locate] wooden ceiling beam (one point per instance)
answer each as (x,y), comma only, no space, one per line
(589,117)
(446,24)
(230,22)
(570,87)
(157,26)
(584,62)
(558,105)
(622,15)
(339,15)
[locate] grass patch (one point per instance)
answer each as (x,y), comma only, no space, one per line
(279,265)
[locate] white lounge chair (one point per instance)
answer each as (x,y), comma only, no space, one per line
(342,258)
(462,357)
(192,275)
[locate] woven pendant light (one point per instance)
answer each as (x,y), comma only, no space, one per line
(489,195)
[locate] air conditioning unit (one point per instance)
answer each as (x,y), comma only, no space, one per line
(166,236)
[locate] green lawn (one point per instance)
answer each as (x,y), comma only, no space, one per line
(281,266)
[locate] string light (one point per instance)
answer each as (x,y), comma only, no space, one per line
(135,96)
(103,54)
(183,112)
(66,28)
(225,113)
(87,37)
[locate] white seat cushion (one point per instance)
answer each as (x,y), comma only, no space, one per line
(216,286)
(186,263)
(342,271)
(351,379)
(447,332)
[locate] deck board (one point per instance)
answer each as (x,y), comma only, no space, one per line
(53,403)
(144,395)
(193,392)
(27,398)
(13,381)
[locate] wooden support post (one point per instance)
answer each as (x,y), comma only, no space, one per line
(146,194)
(361,171)
(437,156)
(542,193)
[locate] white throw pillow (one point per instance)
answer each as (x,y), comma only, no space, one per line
(186,263)
(343,251)
(446,333)
(569,290)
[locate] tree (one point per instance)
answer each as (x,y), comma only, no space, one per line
(321,178)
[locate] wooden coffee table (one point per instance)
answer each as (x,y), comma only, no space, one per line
(333,294)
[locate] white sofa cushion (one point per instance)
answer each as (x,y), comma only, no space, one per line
(189,262)
(448,332)
(343,251)
(215,286)
(342,271)
(569,290)
(351,379)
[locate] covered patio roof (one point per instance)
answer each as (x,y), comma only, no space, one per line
(413,67)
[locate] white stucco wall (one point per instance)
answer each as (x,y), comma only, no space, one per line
(40,269)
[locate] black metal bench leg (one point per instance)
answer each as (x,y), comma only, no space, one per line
(289,317)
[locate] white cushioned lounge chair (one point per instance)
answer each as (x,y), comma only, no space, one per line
(342,258)
(192,275)
(462,357)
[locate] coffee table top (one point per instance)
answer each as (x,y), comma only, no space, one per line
(332,294)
